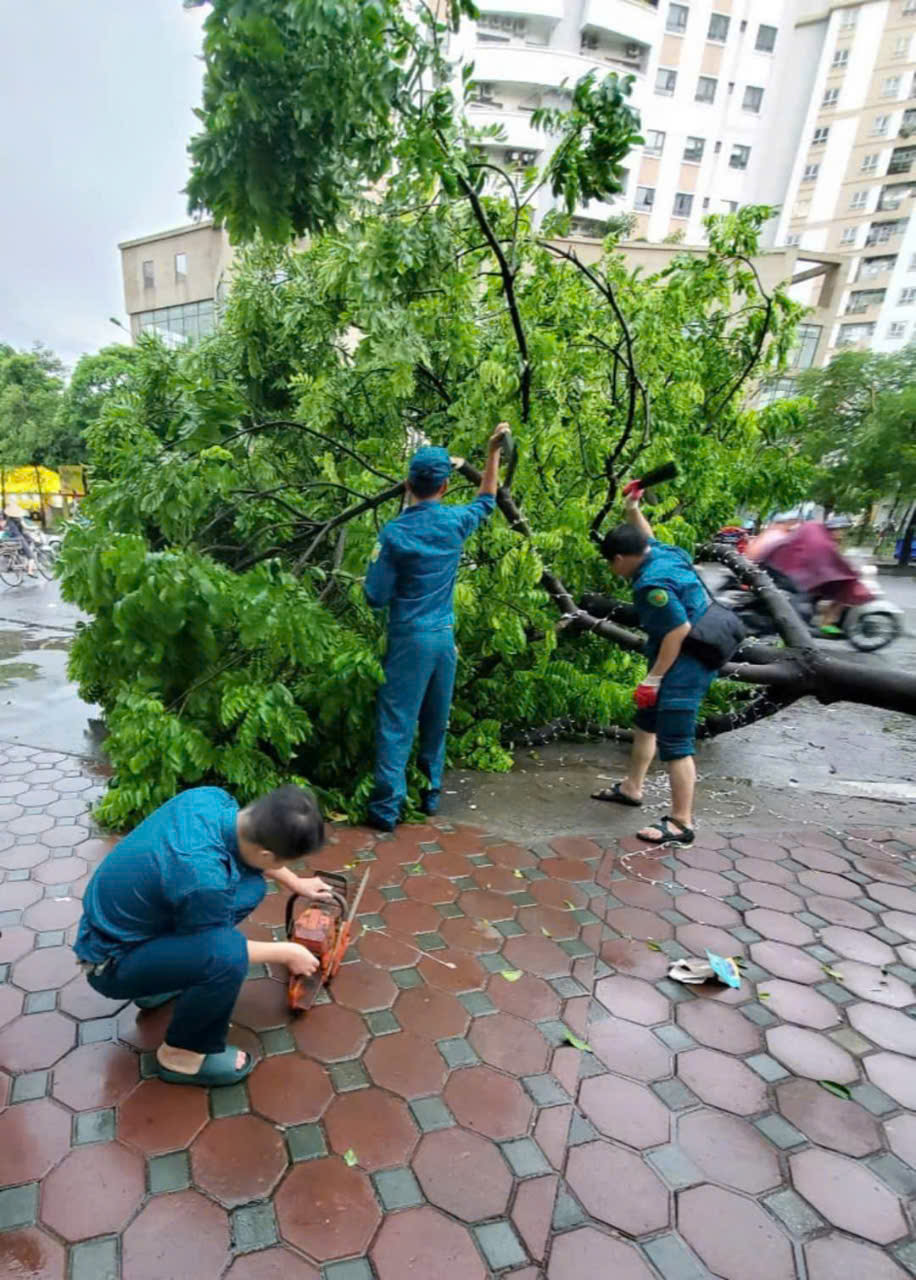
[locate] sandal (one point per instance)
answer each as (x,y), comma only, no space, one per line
(155,1002)
(216,1070)
(614,795)
(669,834)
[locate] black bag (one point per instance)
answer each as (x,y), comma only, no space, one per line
(714,638)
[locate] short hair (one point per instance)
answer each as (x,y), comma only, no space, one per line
(624,541)
(286,821)
(424,486)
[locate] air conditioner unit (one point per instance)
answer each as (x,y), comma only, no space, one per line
(633,51)
(589,42)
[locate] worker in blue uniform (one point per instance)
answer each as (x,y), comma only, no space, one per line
(669,598)
(412,570)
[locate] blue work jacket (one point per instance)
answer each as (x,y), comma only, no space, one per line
(667,593)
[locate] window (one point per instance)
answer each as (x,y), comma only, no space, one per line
(897,329)
(849,235)
(912,266)
(907,297)
(810,174)
(805,349)
(891,87)
(149,280)
(718,27)
(902,47)
(706,202)
(717,148)
(870,162)
(181,267)
(753,97)
(909,6)
(665,82)
(683,204)
(821,134)
(645,199)
(840,59)
(830,97)
(880,126)
(872,267)
(706,89)
(693,149)
(655,142)
(882,232)
(677,18)
(739,156)
(793,239)
(766,39)
(861,299)
(187,322)
(859,200)
(849,19)
(506,26)
(853,333)
(902,160)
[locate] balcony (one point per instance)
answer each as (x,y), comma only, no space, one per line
(545,68)
(634,19)
(552,10)
(516,125)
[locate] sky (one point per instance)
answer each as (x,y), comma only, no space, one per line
(96,101)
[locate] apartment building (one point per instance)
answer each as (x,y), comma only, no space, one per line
(853,182)
(172,280)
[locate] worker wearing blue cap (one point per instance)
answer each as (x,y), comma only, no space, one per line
(413,570)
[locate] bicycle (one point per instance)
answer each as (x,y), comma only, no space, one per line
(14,563)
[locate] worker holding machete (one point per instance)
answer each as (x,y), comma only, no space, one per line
(413,570)
(161,914)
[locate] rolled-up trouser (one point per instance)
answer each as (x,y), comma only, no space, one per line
(419,682)
(674,716)
(208,968)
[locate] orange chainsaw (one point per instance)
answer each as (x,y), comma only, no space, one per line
(324,928)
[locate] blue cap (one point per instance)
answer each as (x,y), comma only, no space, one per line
(430,467)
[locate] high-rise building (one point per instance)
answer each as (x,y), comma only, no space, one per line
(853,182)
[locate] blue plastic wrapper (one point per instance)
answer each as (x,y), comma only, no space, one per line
(725,969)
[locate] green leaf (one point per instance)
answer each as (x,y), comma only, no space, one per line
(652,944)
(349,1157)
(576,1042)
(518,875)
(832,973)
(546,932)
(511,975)
(832,1087)
(569,904)
(763,995)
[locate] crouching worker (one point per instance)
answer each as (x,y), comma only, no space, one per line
(413,570)
(160,917)
(688,640)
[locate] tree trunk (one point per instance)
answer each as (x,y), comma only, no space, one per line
(909,534)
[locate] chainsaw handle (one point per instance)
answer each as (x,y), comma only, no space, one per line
(336,882)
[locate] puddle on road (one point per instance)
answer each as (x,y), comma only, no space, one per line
(25,640)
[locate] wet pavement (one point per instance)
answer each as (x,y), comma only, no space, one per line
(502,1080)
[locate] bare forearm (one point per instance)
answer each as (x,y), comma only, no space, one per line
(284,876)
(268,952)
(489,481)
(670,650)
(636,518)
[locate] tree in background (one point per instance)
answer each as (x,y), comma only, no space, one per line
(31,383)
(859,428)
(95,377)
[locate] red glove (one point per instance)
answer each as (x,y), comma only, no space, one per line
(646,694)
(632,490)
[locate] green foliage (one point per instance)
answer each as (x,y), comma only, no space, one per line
(93,380)
(30,390)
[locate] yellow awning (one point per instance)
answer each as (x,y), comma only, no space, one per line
(30,480)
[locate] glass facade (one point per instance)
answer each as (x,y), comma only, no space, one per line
(190,320)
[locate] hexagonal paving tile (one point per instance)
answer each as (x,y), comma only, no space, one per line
(33,1138)
(853,944)
(408,917)
(891,895)
(626,1111)
(808,1053)
(839,911)
(848,1194)
(871,984)
(289,1089)
(362,987)
(729,1151)
(588,1252)
(406,1064)
(237,1159)
(373,1124)
(465,934)
(424,1242)
(630,1050)
(617,1188)
(838,1258)
(487,1102)
(79,1000)
(633,999)
(173,1230)
(271,1264)
(507,1042)
(327,1209)
(386,952)
(779,927)
(464,1174)
(10,1004)
(262,1004)
(894,1074)
(635,959)
(434,1015)
(901,922)
(830,885)
(772,896)
(330,1033)
(888,1028)
(901,1134)
(31,1254)
(827,1120)
(159,1117)
(526,997)
(49,967)
(93,1191)
(734,1236)
(718,1026)
(452,970)
(36,1041)
(797,1003)
(95,1075)
(15,942)
(722,1081)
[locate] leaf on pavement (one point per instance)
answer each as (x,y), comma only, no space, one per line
(832,1087)
(511,975)
(349,1157)
(576,1042)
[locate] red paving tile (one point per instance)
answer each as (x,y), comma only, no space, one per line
(510,1044)
(719,1027)
(808,1053)
(635,959)
(901,1135)
(853,944)
(703,859)
(96,1075)
(722,1081)
(405,1064)
(630,1050)
(489,1103)
(733,1236)
(829,1121)
(729,1151)
(771,896)
(15,942)
(636,893)
(625,1111)
(79,1000)
(551,1132)
(895,1075)
(633,999)
(330,1033)
(327,1209)
(485,904)
(94,1191)
(588,1252)
(830,885)
(558,923)
(634,922)
(271,1264)
(471,935)
(60,871)
(868,982)
(464,1174)
(34,1136)
(839,911)
(785,961)
(145,1031)
(465,974)
(262,1004)
(779,927)
(703,882)
(386,952)
(289,1089)
(617,1188)
(557,893)
(362,987)
(237,1159)
(35,1041)
(511,855)
(159,1117)
(374,1125)
(767,871)
(422,1243)
(698,938)
(754,847)
(706,910)
(30,1254)
(800,1004)
(527,996)
(10,1004)
(848,1195)
(434,1015)
(177,1235)
(838,1258)
(532,1212)
(50,967)
(820,860)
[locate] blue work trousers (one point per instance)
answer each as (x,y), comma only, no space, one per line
(419,682)
(207,968)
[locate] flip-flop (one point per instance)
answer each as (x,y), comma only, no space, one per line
(216,1070)
(614,795)
(684,836)
(155,1002)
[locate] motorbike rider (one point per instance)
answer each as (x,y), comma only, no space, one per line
(11,529)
